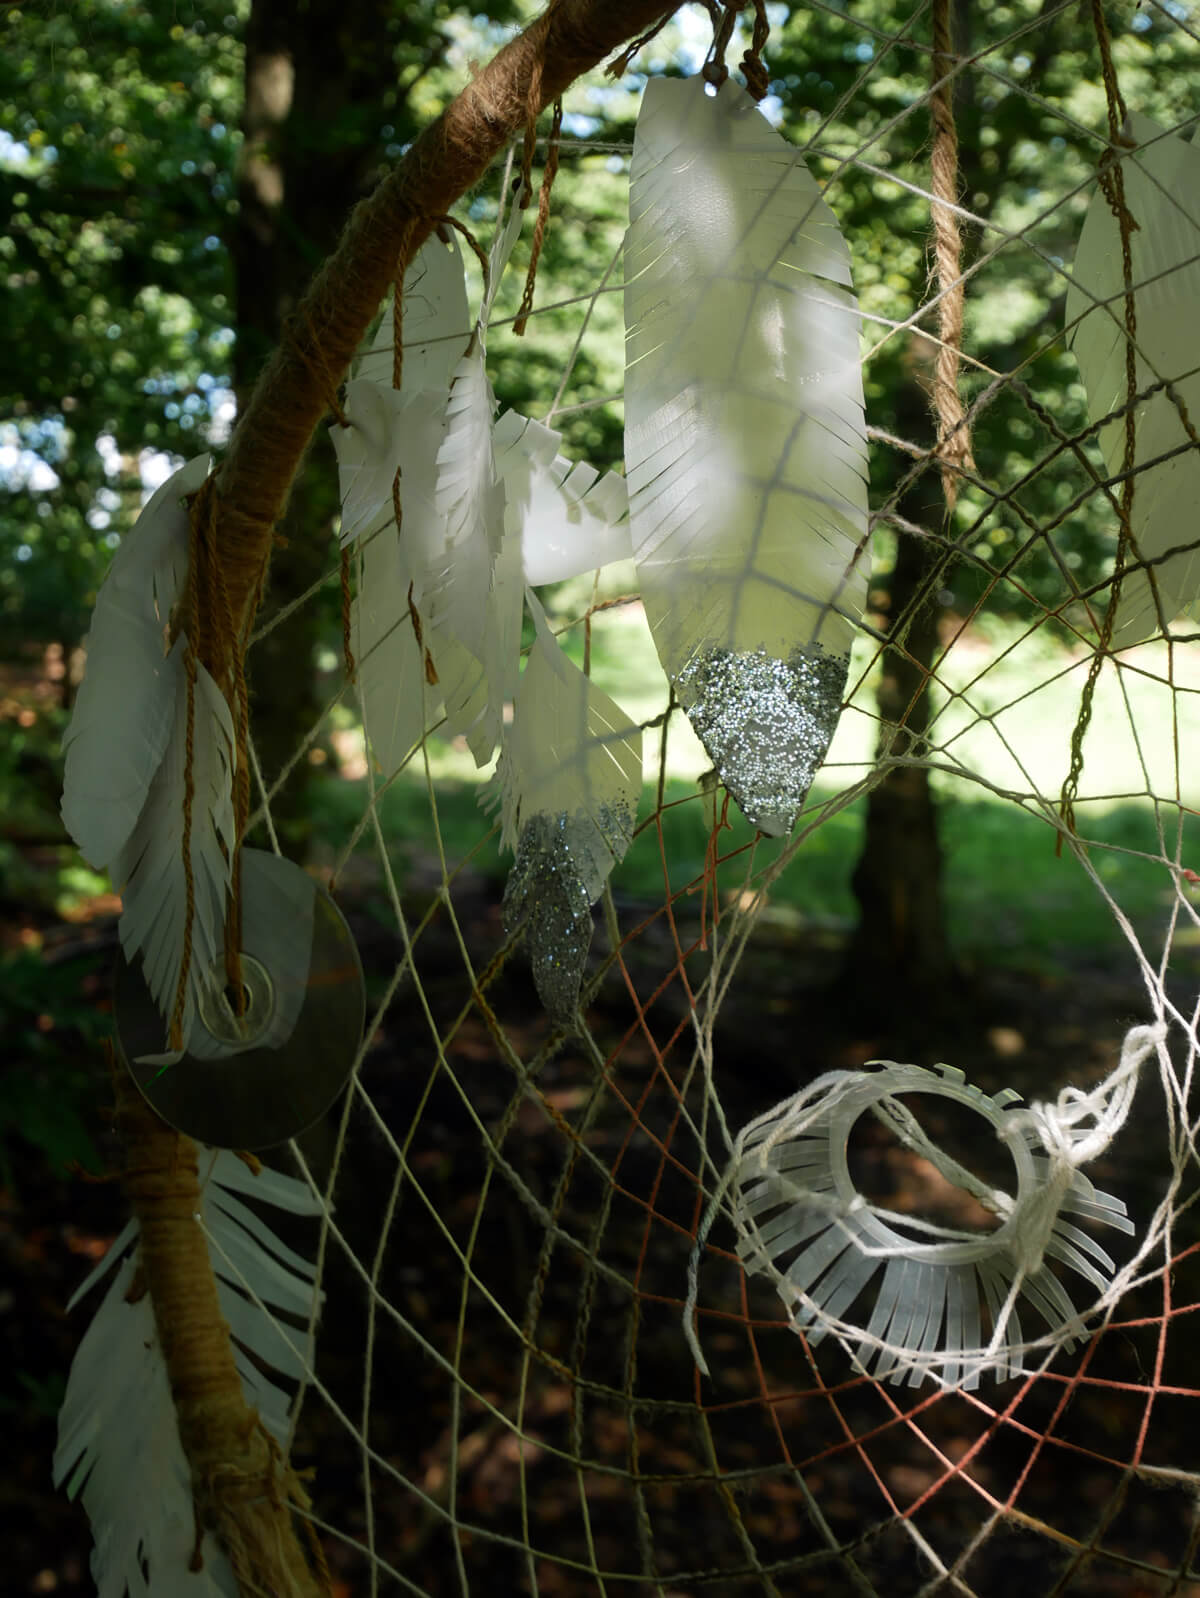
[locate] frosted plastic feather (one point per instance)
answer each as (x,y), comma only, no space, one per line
(118,1441)
(149,871)
(570,780)
(745,441)
(470,503)
(122,718)
(1162,193)
(570,519)
(437,322)
(450,554)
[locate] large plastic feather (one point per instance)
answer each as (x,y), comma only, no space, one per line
(118,1440)
(569,781)
(122,719)
(149,871)
(745,441)
(1162,194)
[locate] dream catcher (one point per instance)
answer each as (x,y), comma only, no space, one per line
(239,998)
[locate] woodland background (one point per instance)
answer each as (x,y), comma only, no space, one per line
(170,176)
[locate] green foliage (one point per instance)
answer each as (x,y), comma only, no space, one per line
(51,1032)
(116,174)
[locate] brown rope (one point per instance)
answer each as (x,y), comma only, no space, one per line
(191,603)
(243,1489)
(549,173)
(347,652)
(754,70)
(1112,186)
(954,436)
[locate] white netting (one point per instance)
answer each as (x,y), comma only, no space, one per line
(503,1397)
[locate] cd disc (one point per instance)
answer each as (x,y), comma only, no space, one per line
(254,1080)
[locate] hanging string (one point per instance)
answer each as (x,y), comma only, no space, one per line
(753,68)
(1112,186)
(723,15)
(954,438)
(543,217)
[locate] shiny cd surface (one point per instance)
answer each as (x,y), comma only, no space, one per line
(251,1081)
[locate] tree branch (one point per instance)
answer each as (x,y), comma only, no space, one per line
(381,237)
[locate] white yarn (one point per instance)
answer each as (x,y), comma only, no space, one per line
(801,1221)
(1074,1130)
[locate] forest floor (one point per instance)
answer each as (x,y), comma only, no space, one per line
(502,1441)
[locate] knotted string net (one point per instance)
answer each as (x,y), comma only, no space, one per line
(503,1397)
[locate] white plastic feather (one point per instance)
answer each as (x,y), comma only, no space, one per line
(745,440)
(469,502)
(452,555)
(118,1440)
(1162,193)
(570,519)
(149,870)
(569,779)
(437,323)
(122,718)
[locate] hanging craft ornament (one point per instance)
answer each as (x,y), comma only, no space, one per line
(745,440)
(947,1304)
(486,506)
(254,1080)
(151,762)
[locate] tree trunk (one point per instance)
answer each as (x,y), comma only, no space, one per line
(899,958)
(320,84)
(899,953)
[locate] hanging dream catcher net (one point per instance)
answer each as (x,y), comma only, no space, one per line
(615,1266)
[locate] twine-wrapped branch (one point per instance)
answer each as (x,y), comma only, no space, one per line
(243,1489)
(383,234)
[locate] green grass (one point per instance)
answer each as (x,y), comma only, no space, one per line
(1009,898)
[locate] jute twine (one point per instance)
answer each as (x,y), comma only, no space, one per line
(243,1489)
(953,449)
(723,15)
(1112,185)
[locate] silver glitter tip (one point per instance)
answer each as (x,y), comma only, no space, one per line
(765,722)
(562,863)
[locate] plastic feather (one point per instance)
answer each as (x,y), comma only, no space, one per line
(118,1440)
(122,719)
(570,519)
(469,502)
(437,323)
(569,781)
(745,440)
(149,871)
(1162,194)
(453,558)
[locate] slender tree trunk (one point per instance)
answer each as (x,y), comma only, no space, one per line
(900,951)
(899,956)
(320,84)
